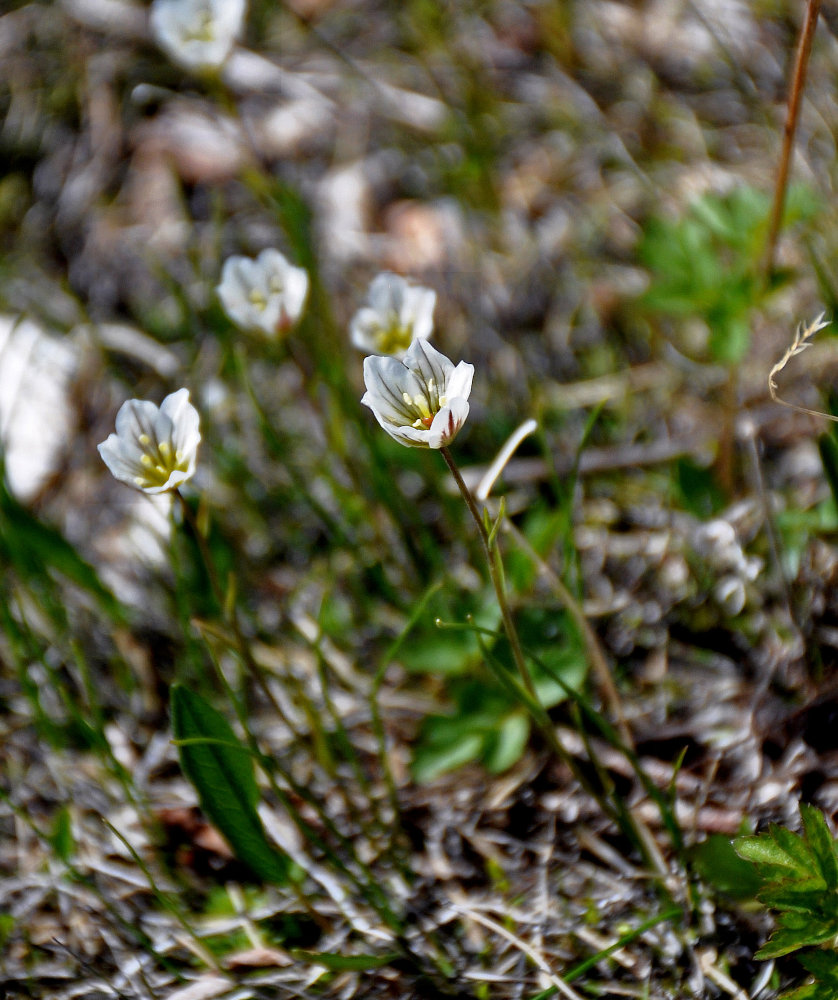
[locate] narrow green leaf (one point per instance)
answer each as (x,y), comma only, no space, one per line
(345,963)
(821,842)
(33,548)
(221,770)
(61,835)
(828,448)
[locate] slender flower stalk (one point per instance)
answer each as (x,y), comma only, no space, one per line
(493,558)
(229,609)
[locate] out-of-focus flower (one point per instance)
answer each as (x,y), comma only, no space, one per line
(397,313)
(154,449)
(730,593)
(197,34)
(421,401)
(266,294)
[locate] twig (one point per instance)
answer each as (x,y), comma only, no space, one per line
(798,83)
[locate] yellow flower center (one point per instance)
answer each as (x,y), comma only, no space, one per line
(257,299)
(393,338)
(159,462)
(426,404)
(204,30)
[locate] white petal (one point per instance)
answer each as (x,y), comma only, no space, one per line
(296,292)
(410,437)
(136,418)
(387,380)
(386,293)
(270,261)
(429,364)
(362,329)
(237,279)
(418,311)
(459,381)
(186,434)
(447,423)
(122,468)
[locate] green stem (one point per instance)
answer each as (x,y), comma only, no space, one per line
(231,613)
(493,558)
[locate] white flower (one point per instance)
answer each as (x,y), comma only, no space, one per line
(154,449)
(197,34)
(266,294)
(421,401)
(397,313)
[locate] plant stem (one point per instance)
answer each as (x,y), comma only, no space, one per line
(493,558)
(622,816)
(232,613)
(596,655)
(798,83)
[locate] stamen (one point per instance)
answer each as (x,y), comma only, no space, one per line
(257,299)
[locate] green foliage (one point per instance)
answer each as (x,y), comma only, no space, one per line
(39,553)
(716,861)
(800,880)
(221,770)
(828,448)
(705,264)
(7,925)
(61,835)
(485,726)
(697,489)
(488,724)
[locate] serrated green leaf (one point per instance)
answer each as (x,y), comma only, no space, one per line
(821,963)
(221,770)
(809,991)
(821,843)
(796,931)
(805,896)
(779,848)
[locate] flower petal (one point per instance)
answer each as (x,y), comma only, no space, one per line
(429,364)
(388,381)
(447,423)
(459,381)
(417,311)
